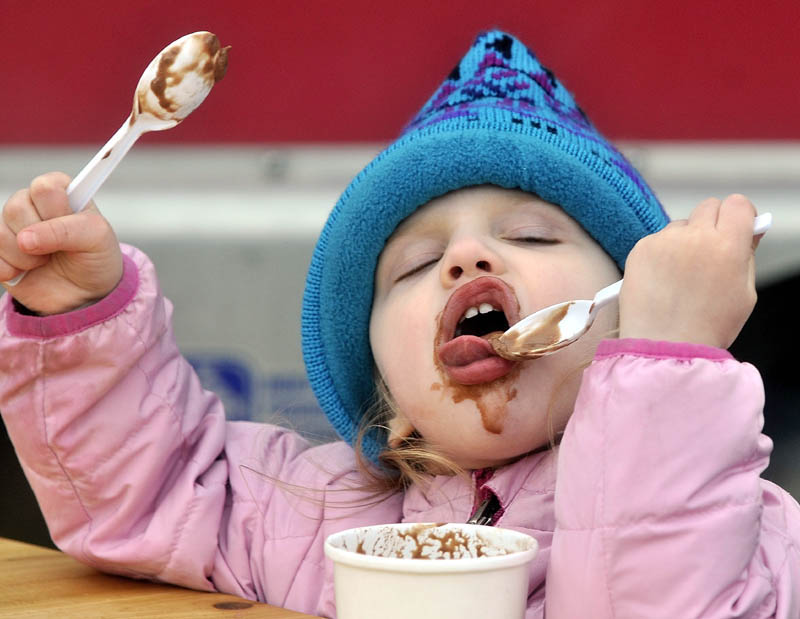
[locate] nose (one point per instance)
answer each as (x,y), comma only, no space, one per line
(467,257)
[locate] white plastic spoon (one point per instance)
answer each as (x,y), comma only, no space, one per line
(175,82)
(554,327)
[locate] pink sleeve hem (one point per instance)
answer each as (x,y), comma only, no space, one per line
(68,323)
(660,350)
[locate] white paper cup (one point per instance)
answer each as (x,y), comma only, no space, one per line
(431,571)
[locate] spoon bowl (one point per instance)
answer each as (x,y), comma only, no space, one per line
(546,331)
(550,329)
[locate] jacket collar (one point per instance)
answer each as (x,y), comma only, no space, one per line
(454,498)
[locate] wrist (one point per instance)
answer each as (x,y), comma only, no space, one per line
(674,337)
(26,311)
(644,326)
(32,322)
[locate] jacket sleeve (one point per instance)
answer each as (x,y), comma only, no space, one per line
(119,442)
(660,508)
(125,451)
(138,473)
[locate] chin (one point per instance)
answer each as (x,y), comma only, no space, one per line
(494,459)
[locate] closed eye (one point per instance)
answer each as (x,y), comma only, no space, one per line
(531,234)
(416,269)
(533,240)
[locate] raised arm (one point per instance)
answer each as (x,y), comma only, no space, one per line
(660,507)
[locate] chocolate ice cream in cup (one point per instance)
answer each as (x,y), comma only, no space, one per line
(431,571)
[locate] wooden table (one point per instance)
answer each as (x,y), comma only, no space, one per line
(44,583)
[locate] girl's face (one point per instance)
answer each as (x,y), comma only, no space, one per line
(506,254)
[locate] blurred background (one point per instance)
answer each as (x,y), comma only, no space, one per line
(701,95)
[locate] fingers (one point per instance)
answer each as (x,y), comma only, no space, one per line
(19,211)
(49,195)
(38,221)
(736,220)
(71,233)
(13,260)
(44,199)
(731,217)
(706,213)
(16,213)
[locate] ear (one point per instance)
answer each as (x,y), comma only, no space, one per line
(400,428)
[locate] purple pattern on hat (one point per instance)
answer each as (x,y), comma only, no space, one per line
(499,77)
(445,91)
(544,81)
(491,60)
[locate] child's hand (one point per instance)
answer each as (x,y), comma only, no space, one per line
(694,281)
(73,259)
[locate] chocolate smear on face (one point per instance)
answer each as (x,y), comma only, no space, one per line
(491,398)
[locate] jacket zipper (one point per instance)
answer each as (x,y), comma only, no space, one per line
(486,511)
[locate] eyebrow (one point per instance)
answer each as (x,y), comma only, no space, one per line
(426,222)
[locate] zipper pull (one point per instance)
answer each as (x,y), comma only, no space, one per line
(486,511)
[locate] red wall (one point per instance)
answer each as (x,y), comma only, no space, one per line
(357,70)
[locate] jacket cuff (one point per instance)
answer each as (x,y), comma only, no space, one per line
(24,325)
(656,349)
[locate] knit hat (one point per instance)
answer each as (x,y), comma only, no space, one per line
(499,118)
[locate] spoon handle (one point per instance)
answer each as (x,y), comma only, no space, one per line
(608,294)
(762,223)
(88,181)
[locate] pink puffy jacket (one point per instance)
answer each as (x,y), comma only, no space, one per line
(651,507)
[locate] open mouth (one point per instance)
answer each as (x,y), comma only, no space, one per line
(474,312)
(479,308)
(481,321)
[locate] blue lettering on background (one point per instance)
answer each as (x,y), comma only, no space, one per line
(281,397)
(231,380)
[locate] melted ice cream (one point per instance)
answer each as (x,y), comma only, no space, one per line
(180,78)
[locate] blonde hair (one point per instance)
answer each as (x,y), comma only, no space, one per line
(411,460)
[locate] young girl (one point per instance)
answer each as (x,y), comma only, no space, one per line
(500,198)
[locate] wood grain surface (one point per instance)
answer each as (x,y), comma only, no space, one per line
(40,582)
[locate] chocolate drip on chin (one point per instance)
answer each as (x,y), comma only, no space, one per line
(491,399)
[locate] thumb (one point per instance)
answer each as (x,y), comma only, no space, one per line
(70,233)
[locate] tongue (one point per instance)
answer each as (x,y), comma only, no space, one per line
(471,360)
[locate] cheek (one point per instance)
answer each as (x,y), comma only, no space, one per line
(581,277)
(546,286)
(401,336)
